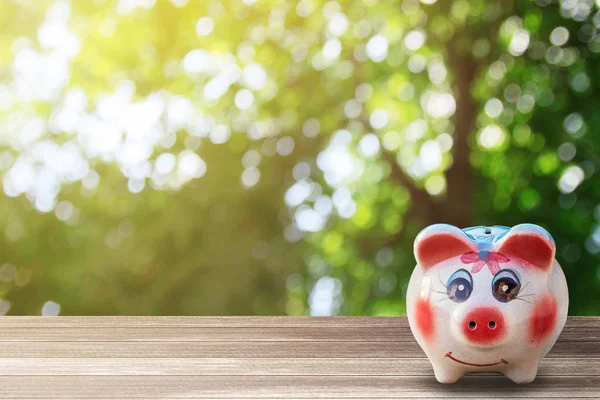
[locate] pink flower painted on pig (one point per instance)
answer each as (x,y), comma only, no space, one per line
(490,258)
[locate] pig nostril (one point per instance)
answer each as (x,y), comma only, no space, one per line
(484,326)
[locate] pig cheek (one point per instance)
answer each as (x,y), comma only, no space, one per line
(425,318)
(543,318)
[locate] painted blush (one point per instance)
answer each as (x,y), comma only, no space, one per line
(543,318)
(425,318)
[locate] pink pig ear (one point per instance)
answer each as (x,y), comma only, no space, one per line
(531,243)
(440,242)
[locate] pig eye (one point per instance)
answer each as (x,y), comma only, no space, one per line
(460,286)
(505,286)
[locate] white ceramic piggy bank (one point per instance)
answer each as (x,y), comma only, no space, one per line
(486,299)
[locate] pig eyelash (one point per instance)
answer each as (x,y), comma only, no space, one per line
(442,299)
(522,290)
(520,296)
(446,297)
(442,282)
(445,292)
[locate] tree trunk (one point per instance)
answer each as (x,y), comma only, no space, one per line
(457,209)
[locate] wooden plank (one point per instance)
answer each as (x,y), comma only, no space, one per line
(229,322)
(249,334)
(259,349)
(202,334)
(209,349)
(373,329)
(264,387)
(263,357)
(259,366)
(199,321)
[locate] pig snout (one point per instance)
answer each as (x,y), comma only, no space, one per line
(484,326)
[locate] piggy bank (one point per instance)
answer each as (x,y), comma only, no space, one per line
(486,299)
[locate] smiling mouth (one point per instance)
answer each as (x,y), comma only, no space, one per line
(449,355)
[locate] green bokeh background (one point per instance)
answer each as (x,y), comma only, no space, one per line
(276,157)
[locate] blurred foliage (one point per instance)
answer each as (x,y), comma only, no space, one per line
(270,157)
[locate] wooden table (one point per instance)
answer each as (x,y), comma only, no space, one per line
(259,357)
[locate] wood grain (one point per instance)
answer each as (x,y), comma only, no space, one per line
(260,366)
(264,387)
(397,330)
(260,358)
(231,322)
(259,349)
